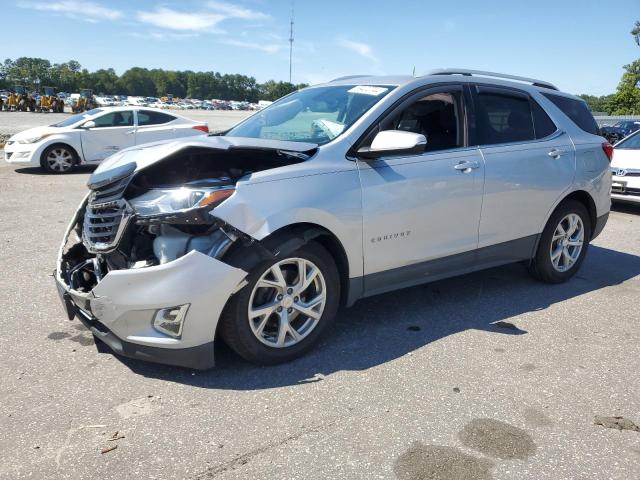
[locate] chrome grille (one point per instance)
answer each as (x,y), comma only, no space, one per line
(104,224)
(106,217)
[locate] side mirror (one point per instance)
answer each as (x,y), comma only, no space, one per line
(89,124)
(394,142)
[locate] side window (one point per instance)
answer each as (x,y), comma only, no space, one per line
(115,119)
(577,111)
(436,116)
(503,118)
(542,124)
(149,117)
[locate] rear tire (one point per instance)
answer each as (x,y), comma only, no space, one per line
(563,243)
(257,336)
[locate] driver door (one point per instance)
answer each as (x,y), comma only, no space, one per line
(113,131)
(421,212)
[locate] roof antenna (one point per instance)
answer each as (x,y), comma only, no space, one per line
(414,71)
(291,41)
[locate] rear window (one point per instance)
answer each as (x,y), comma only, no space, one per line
(576,110)
(503,118)
(149,117)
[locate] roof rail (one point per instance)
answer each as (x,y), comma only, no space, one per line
(462,71)
(348,77)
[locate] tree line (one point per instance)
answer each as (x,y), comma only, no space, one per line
(35,73)
(626,100)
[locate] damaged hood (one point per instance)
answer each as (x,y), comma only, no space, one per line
(139,157)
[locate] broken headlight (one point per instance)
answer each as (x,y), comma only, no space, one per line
(168,201)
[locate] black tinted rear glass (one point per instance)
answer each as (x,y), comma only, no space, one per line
(577,111)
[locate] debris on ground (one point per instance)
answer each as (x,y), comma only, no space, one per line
(618,423)
(108,449)
(116,436)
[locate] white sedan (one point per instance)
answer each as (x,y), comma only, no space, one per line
(625,170)
(90,137)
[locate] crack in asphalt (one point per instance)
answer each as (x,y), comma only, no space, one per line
(244,458)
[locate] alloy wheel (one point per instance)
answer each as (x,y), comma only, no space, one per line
(287,302)
(567,242)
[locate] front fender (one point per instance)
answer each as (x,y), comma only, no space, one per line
(332,201)
(69,139)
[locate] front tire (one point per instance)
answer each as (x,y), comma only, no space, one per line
(58,159)
(563,243)
(285,308)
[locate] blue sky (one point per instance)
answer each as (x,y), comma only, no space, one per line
(579,45)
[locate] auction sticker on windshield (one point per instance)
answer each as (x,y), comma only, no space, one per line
(368,90)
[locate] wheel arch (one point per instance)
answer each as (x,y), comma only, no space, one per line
(587,200)
(581,196)
(295,235)
(61,143)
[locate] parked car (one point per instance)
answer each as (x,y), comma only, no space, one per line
(615,133)
(625,168)
(90,137)
(333,193)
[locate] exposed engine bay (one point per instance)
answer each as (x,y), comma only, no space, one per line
(160,213)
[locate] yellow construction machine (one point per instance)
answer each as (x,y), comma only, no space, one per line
(84,102)
(50,102)
(20,100)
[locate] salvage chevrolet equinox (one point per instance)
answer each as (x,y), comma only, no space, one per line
(336,192)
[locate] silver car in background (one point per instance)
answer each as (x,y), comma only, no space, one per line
(334,193)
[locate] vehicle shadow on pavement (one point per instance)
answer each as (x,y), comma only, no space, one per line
(383,328)
(81,169)
(631,208)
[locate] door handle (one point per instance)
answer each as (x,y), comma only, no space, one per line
(556,153)
(131,132)
(466,167)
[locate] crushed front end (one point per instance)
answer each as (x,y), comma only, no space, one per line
(147,266)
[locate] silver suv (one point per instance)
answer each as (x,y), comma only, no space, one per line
(334,193)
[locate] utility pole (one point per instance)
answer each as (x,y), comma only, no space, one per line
(291,43)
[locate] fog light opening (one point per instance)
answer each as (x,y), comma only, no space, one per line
(170,320)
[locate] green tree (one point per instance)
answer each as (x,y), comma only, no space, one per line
(137,81)
(627,98)
(29,71)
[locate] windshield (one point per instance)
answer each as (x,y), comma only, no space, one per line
(316,115)
(77,118)
(632,142)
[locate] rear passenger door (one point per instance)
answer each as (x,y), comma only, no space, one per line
(529,163)
(154,126)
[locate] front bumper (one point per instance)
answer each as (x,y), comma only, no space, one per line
(28,153)
(120,308)
(625,188)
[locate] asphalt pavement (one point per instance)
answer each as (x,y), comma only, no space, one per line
(487,376)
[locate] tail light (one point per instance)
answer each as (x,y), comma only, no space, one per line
(202,128)
(608,150)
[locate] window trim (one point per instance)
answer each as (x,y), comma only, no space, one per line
(403,102)
(476,88)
